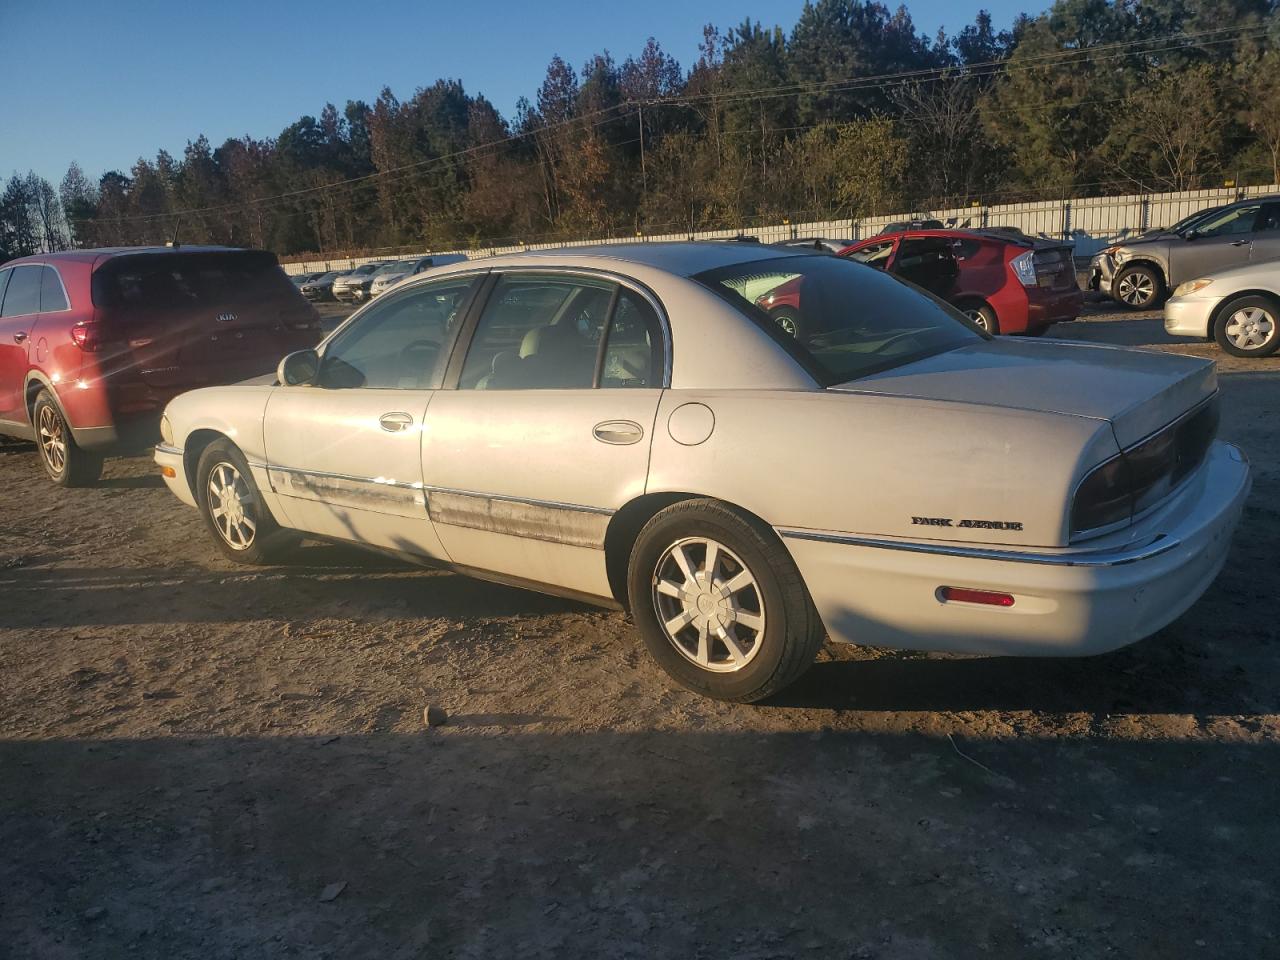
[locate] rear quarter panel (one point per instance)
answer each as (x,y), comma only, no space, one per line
(871,464)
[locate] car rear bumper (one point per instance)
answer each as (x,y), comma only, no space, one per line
(1190,316)
(1066,602)
(1047,307)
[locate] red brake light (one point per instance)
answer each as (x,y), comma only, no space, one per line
(960,595)
(87,336)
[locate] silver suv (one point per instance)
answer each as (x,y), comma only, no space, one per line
(1140,273)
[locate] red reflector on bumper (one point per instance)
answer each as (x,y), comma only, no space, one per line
(961,595)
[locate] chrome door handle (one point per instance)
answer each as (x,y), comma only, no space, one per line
(620,432)
(19,337)
(395,422)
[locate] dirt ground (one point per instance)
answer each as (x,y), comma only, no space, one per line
(205,761)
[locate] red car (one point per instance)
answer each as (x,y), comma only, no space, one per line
(1008,282)
(94,343)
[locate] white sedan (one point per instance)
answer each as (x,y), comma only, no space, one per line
(623,425)
(1239,308)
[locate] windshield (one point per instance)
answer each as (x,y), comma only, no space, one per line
(842,320)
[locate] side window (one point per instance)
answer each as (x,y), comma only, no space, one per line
(52,296)
(538,332)
(1230,222)
(966,248)
(1270,219)
(23,293)
(397,343)
(4,282)
(877,255)
(633,350)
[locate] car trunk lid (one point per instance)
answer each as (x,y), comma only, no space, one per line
(186,319)
(1138,392)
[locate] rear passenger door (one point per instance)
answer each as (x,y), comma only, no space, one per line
(1266,235)
(18,311)
(543,428)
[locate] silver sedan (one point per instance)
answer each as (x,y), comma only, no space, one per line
(1239,308)
(625,426)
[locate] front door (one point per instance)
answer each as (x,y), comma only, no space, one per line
(345,452)
(1220,242)
(19,306)
(544,428)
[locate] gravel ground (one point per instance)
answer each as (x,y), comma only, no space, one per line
(205,761)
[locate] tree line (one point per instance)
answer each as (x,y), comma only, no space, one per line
(852,112)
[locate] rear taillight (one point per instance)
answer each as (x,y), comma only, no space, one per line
(1145,473)
(87,335)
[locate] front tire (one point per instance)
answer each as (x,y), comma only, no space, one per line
(1248,327)
(719,602)
(65,461)
(232,507)
(1138,288)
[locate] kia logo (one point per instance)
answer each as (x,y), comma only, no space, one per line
(225,317)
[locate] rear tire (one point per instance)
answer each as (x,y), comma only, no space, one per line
(233,510)
(983,316)
(65,461)
(791,322)
(719,602)
(1248,327)
(1138,288)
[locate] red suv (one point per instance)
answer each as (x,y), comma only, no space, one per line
(1008,282)
(94,343)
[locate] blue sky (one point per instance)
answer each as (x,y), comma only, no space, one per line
(111,81)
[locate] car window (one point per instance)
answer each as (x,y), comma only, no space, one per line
(876,255)
(169,281)
(850,321)
(1270,219)
(22,296)
(966,248)
(538,332)
(397,343)
(4,281)
(1229,222)
(633,347)
(52,296)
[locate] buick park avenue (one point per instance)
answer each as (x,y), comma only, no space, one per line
(626,426)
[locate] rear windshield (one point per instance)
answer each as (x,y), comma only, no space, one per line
(842,320)
(168,280)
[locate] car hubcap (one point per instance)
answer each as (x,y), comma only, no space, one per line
(709,605)
(1136,289)
(53,440)
(788,325)
(1250,328)
(230,504)
(978,317)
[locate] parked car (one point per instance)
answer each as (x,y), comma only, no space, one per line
(392,274)
(94,343)
(1141,273)
(301,279)
(320,287)
(353,285)
(1239,308)
(928,262)
(620,424)
(1007,282)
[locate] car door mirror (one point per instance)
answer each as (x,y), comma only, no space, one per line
(1191,234)
(298,368)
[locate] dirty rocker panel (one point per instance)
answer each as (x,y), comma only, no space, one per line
(568,523)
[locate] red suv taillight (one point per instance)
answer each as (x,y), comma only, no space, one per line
(87,335)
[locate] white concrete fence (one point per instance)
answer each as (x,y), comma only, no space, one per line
(1088,223)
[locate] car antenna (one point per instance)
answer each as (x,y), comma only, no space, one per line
(174,242)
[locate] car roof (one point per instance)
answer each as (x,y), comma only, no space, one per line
(93,254)
(677,257)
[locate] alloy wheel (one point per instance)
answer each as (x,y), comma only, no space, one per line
(709,605)
(1136,289)
(788,325)
(53,439)
(231,506)
(978,317)
(1250,328)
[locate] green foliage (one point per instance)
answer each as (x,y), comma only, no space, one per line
(1092,96)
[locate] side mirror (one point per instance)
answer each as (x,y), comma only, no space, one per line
(1191,235)
(298,368)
